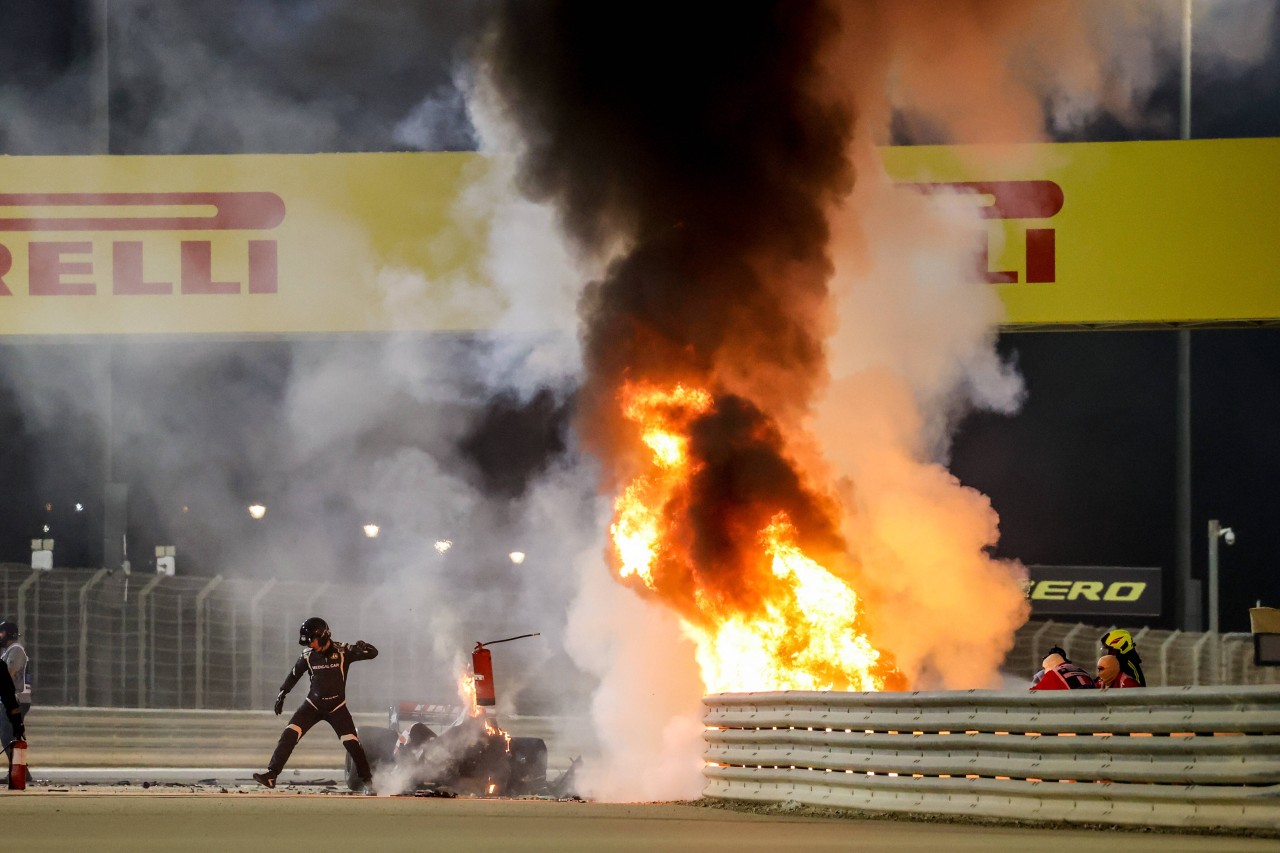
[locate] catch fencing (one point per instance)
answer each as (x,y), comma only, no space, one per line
(99,639)
(1169,658)
(1178,757)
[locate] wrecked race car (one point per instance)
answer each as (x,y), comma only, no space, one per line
(469,756)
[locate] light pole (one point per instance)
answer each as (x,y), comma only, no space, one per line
(1187,589)
(1226,534)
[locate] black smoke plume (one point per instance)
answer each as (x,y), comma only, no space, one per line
(695,138)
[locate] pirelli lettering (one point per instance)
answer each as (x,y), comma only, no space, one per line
(1094,591)
(1012,200)
(82,244)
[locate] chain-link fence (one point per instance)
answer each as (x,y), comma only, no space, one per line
(1169,658)
(111,640)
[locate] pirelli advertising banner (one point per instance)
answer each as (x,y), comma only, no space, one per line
(1119,233)
(1094,591)
(240,244)
(1124,233)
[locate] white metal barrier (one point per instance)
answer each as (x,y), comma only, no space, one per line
(1176,756)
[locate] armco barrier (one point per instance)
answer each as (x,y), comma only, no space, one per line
(1175,757)
(133,737)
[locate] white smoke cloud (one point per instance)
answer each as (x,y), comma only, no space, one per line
(1230,34)
(647,707)
(914,348)
(432,124)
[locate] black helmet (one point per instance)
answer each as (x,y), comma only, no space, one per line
(8,631)
(314,628)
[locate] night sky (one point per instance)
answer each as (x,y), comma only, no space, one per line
(1083,475)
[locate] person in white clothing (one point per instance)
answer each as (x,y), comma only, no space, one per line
(14,658)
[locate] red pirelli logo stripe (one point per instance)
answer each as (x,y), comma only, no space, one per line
(231,211)
(1012,200)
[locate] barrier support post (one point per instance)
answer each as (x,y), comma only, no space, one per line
(142,638)
(201,598)
(83,673)
(255,644)
(22,603)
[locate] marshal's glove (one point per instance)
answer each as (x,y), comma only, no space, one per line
(19,728)
(280,703)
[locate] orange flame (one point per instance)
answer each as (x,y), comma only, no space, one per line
(467,693)
(800,631)
(637,528)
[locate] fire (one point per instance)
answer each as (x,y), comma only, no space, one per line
(666,416)
(472,709)
(467,692)
(807,639)
(782,621)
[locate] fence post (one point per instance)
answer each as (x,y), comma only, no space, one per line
(22,610)
(1037,645)
(1195,657)
(200,629)
(1164,657)
(369,600)
(255,646)
(83,674)
(316,596)
(1066,641)
(142,638)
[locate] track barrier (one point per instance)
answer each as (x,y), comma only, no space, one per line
(135,737)
(1173,757)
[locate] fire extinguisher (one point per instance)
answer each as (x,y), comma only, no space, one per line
(18,766)
(482,669)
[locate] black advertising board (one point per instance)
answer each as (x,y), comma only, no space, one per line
(1094,591)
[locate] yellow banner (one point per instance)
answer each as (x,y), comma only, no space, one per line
(238,244)
(1124,233)
(1119,233)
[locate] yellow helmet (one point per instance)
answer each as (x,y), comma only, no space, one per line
(1118,639)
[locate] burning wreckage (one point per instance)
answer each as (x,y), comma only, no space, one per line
(471,755)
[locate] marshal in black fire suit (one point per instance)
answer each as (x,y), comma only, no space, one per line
(328,663)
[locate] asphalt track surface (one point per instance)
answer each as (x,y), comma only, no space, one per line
(254,820)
